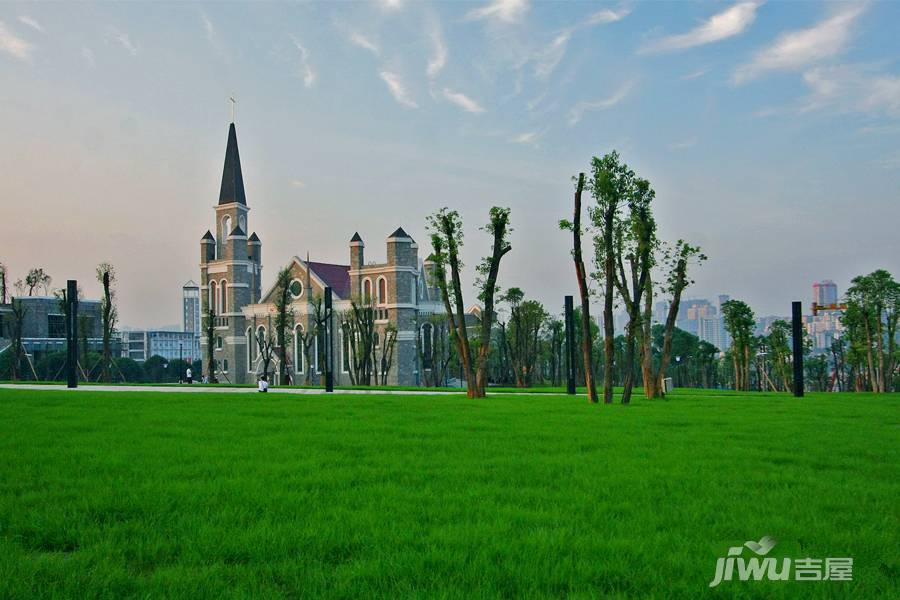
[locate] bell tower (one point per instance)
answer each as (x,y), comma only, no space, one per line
(230,269)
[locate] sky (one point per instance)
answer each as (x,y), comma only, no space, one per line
(769,131)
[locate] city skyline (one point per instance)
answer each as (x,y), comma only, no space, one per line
(118,123)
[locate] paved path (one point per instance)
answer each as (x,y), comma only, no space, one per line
(212,390)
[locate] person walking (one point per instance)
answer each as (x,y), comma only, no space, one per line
(189,376)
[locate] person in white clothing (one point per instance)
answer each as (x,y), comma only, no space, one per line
(189,376)
(263,384)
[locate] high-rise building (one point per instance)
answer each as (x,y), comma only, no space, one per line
(825,292)
(191,308)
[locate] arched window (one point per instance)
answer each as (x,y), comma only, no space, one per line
(298,350)
(223,297)
(367,290)
(226,227)
(382,290)
(242,221)
(375,339)
(213,297)
(219,343)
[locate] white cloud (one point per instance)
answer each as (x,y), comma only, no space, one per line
(463,101)
(797,49)
(25,19)
(720,26)
(439,59)
(547,59)
(391,4)
(207,26)
(297,183)
(13,45)
(397,89)
(694,75)
(365,43)
(602,17)
(306,71)
(580,108)
(529,138)
(88,55)
(852,88)
(550,56)
(683,144)
(124,40)
(506,11)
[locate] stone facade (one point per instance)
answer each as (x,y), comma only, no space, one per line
(230,271)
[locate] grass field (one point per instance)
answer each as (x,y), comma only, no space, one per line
(205,495)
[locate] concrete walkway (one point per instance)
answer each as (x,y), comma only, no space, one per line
(177,389)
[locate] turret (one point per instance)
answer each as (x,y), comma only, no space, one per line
(357,252)
(236,244)
(207,248)
(401,249)
(254,249)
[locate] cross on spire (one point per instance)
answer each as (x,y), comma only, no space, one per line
(233,102)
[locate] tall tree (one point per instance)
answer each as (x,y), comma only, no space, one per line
(874,303)
(635,242)
(677,261)
(609,185)
(740,321)
(37,278)
(16,329)
(284,321)
(522,338)
(358,329)
(583,291)
(107,276)
(4,288)
(445,228)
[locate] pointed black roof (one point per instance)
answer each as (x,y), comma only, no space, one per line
(399,234)
(208,236)
(356,237)
(237,231)
(232,179)
(254,237)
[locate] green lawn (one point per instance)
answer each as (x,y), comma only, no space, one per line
(207,495)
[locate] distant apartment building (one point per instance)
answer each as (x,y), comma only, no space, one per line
(170,345)
(44,326)
(190,293)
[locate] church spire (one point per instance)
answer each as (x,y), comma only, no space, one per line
(232,179)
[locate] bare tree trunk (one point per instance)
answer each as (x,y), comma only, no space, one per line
(498,251)
(581,275)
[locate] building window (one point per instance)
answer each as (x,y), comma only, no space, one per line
(382,290)
(224,365)
(223,300)
(56,326)
(296,289)
(219,342)
(367,290)
(226,227)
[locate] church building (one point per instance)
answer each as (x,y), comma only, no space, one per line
(230,283)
